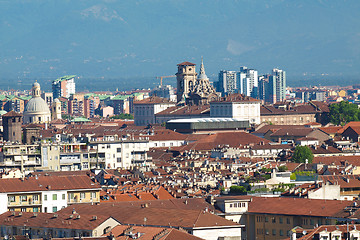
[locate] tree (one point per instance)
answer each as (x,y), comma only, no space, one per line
(302,153)
(237,189)
(122,116)
(343,112)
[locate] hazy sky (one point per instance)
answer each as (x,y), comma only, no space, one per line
(307,38)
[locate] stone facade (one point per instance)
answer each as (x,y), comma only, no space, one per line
(193,89)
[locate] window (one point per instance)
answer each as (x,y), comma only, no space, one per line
(11,199)
(267,231)
(273,220)
(23,209)
(288,220)
(63,196)
(45,197)
(82,195)
(118,159)
(54,196)
(23,198)
(71,196)
(35,209)
(118,150)
(280,220)
(108,146)
(45,209)
(274,232)
(266,219)
(85,165)
(35,198)
(54,209)
(93,195)
(281,232)
(311,221)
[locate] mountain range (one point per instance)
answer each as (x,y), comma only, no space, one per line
(131,41)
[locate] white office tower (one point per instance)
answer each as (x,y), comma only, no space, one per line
(228,82)
(248,80)
(279,80)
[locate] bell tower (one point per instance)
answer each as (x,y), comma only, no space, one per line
(186,80)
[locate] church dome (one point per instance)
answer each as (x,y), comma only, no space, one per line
(36,110)
(36,105)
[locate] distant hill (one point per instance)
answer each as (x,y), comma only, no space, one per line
(141,39)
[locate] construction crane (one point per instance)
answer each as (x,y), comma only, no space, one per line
(161,78)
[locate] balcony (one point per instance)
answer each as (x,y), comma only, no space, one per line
(24,203)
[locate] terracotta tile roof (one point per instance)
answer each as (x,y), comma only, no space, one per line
(127,214)
(47,183)
(294,110)
(310,233)
(345,181)
(186,64)
(236,97)
(153,100)
(51,220)
(166,135)
(320,105)
(296,206)
(306,139)
(296,132)
(338,160)
(266,128)
(12,114)
(233,139)
(149,233)
(185,110)
(332,129)
(325,150)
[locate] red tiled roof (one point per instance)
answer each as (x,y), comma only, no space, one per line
(236,97)
(51,220)
(12,114)
(150,233)
(345,181)
(337,160)
(233,139)
(47,183)
(128,214)
(153,100)
(186,110)
(296,206)
(186,64)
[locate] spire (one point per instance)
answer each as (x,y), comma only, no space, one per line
(202,74)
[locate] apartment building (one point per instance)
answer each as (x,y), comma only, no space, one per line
(46,193)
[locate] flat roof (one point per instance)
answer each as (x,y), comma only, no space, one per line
(199,120)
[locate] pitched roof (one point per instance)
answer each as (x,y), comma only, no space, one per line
(186,110)
(338,160)
(153,100)
(47,183)
(296,206)
(12,114)
(233,139)
(150,233)
(186,64)
(51,220)
(345,181)
(236,97)
(155,216)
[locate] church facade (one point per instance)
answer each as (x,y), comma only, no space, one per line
(194,89)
